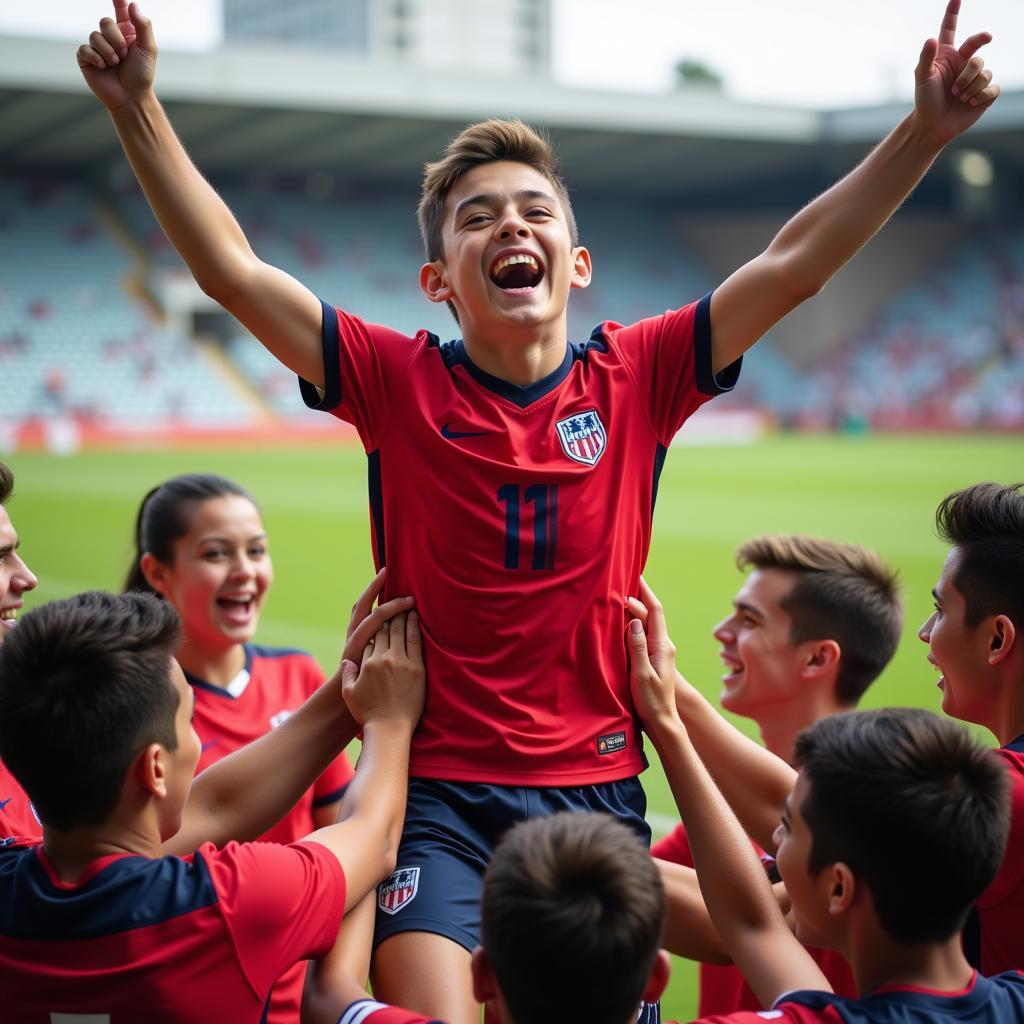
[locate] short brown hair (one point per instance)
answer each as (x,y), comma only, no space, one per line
(484,143)
(844,593)
(986,524)
(913,805)
(6,483)
(572,911)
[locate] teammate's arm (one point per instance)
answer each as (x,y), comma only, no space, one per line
(732,880)
(246,793)
(753,780)
(386,696)
(119,66)
(953,89)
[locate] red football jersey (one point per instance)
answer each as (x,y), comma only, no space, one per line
(520,518)
(723,989)
(158,941)
(17,816)
(1000,908)
(273,684)
(998,1000)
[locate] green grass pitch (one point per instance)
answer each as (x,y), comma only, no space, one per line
(76,515)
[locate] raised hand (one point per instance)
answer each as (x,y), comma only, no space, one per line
(390,683)
(953,86)
(119,61)
(365,620)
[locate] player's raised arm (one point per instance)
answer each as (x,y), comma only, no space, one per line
(754,781)
(239,797)
(953,89)
(119,64)
(732,880)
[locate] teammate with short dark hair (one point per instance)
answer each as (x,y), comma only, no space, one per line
(526,465)
(976,640)
(813,625)
(99,920)
(16,578)
(875,789)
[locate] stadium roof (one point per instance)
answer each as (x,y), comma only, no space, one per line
(291,112)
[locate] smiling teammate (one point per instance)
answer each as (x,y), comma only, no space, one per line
(16,815)
(813,625)
(512,473)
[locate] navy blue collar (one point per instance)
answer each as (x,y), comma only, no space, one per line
(1017,745)
(202,684)
(454,354)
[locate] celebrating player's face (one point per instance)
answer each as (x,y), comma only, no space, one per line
(508,256)
(958,653)
(220,574)
(15,575)
(762,666)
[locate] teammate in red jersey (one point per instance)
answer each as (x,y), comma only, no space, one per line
(526,467)
(201,545)
(874,790)
(571,913)
(813,625)
(975,638)
(16,815)
(97,921)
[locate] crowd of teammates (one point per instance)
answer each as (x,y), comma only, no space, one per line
(526,467)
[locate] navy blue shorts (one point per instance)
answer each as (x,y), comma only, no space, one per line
(452,828)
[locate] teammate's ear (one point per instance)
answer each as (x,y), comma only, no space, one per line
(1004,635)
(152,771)
(485,985)
(658,979)
(822,656)
(843,887)
(582,268)
(434,283)
(155,572)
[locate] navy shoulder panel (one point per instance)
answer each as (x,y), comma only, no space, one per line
(130,893)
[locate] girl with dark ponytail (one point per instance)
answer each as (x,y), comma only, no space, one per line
(200,544)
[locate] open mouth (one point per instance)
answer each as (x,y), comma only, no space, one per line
(733,667)
(8,617)
(517,273)
(238,609)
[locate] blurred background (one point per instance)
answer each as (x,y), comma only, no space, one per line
(688,134)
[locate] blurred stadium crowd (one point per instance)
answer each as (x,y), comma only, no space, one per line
(89,343)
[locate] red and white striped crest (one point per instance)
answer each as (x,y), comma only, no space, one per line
(583,437)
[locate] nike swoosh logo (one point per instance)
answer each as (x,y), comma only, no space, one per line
(454,435)
(207,746)
(4,803)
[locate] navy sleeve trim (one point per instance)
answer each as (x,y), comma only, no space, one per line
(329,798)
(708,382)
(331,398)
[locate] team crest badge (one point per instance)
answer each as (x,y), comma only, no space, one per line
(583,437)
(399,890)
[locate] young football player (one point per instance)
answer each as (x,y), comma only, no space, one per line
(98,921)
(200,544)
(813,625)
(975,639)
(524,465)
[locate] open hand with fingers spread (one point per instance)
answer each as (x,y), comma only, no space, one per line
(953,86)
(389,685)
(119,61)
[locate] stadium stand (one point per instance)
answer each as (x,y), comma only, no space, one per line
(84,341)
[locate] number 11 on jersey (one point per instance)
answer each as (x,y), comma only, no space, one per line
(543,500)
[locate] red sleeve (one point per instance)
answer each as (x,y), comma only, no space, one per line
(785,1013)
(675,847)
(1011,873)
(669,357)
(282,904)
(363,367)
